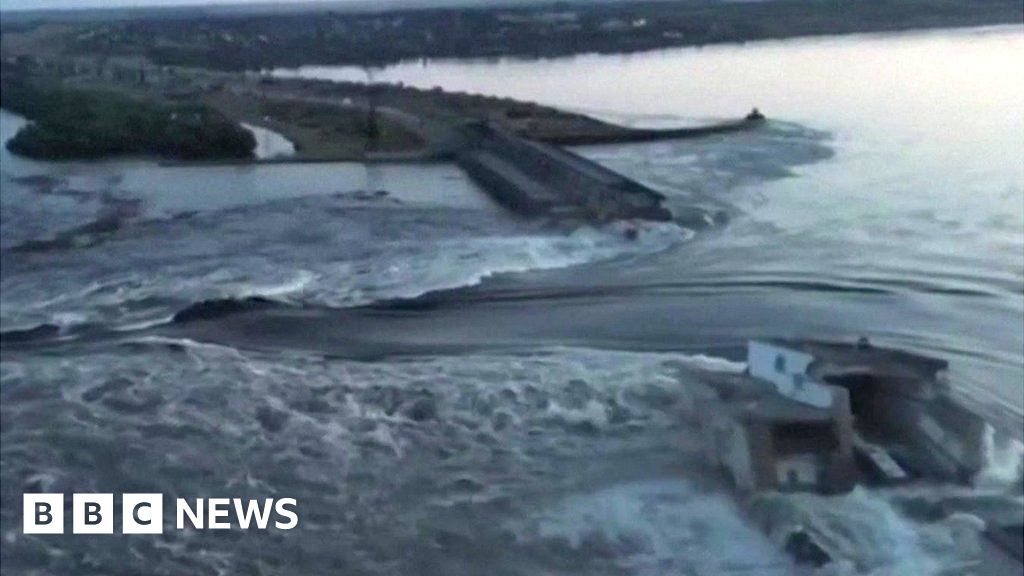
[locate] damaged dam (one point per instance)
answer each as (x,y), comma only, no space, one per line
(534,177)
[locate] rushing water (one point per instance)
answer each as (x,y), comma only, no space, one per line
(521,410)
(270,144)
(913,232)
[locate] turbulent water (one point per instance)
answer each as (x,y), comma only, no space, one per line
(270,144)
(448,389)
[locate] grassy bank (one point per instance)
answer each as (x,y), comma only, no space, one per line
(74,124)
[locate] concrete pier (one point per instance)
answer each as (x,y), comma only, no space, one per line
(534,178)
(607,134)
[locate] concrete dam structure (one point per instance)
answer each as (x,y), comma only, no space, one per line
(533,178)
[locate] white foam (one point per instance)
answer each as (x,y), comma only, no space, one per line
(1004,462)
(144,324)
(68,319)
(289,287)
(864,529)
(675,530)
(269,144)
(405,271)
(593,412)
(187,343)
(712,363)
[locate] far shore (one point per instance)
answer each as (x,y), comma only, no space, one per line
(325,121)
(240,39)
(199,64)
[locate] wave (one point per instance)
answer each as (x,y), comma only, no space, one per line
(145,324)
(475,262)
(867,533)
(303,289)
(353,275)
(694,287)
(1004,463)
(660,526)
(34,334)
(285,289)
(67,327)
(219,308)
(440,298)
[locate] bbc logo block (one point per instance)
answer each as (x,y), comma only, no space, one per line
(43,513)
(142,514)
(93,513)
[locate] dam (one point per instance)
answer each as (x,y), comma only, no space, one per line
(538,177)
(534,178)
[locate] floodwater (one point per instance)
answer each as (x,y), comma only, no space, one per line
(449,389)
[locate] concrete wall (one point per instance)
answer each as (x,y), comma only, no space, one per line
(726,445)
(762,454)
(737,457)
(951,436)
(532,177)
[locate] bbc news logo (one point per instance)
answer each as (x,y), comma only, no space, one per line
(144,513)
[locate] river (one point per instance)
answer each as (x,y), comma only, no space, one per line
(921,208)
(449,389)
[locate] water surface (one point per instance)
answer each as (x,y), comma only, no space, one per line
(912,232)
(521,408)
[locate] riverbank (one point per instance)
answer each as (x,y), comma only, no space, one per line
(289,36)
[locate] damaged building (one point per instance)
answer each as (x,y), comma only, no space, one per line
(817,416)
(777,430)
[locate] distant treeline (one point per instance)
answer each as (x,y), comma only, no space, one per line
(256,41)
(74,124)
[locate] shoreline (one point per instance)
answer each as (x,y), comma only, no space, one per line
(241,39)
(293,72)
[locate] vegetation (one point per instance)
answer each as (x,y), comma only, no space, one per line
(73,124)
(255,41)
